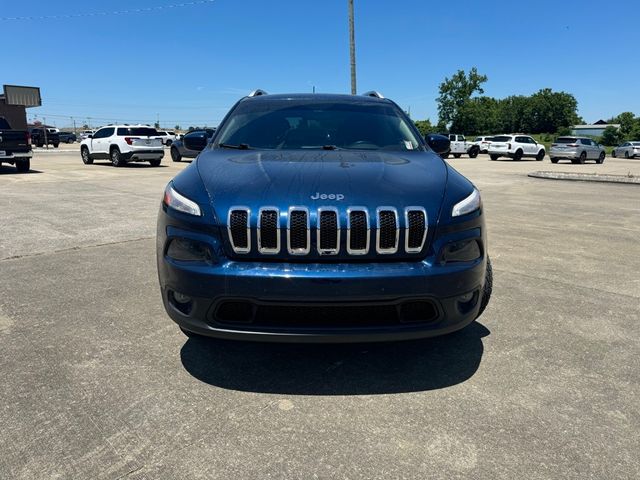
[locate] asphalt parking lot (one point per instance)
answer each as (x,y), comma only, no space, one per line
(97,382)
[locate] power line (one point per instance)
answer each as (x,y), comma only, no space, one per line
(114,12)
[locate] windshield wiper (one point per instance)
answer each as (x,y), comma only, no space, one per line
(242,146)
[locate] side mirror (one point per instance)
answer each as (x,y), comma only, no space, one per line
(196,141)
(438,143)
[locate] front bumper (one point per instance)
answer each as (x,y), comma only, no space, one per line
(318,302)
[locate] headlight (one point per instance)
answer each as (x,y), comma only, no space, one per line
(468,205)
(179,202)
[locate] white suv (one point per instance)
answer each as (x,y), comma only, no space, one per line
(122,144)
(516,147)
(167,138)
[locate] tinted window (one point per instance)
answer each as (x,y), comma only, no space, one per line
(137,131)
(4,124)
(584,141)
(502,138)
(522,140)
(100,133)
(309,124)
(478,139)
(635,144)
(565,140)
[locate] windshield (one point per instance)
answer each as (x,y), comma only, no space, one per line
(566,140)
(313,124)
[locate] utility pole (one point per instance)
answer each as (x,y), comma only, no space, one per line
(352,48)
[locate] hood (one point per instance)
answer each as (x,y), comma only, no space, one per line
(323,178)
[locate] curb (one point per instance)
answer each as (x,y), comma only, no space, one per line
(587,177)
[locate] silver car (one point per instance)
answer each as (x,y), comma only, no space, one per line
(576,149)
(627,150)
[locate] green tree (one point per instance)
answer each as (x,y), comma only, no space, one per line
(156,125)
(627,123)
(177,127)
(610,136)
(456,91)
(476,116)
(424,127)
(551,110)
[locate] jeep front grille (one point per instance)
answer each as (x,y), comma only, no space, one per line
(388,230)
(328,225)
(328,231)
(269,230)
(239,230)
(298,234)
(358,231)
(415,220)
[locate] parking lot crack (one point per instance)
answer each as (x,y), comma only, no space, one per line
(71,249)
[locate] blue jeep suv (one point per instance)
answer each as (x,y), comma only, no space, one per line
(321,218)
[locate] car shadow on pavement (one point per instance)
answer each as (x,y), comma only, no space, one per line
(10,169)
(107,163)
(337,369)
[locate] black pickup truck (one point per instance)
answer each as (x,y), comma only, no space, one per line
(15,146)
(39,137)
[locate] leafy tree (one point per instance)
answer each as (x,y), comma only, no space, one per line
(156,125)
(85,126)
(424,127)
(627,123)
(476,116)
(551,110)
(177,127)
(610,136)
(456,91)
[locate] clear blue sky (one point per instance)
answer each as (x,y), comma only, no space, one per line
(189,65)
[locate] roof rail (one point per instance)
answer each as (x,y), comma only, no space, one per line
(258,93)
(373,93)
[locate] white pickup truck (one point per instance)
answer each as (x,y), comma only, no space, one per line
(460,146)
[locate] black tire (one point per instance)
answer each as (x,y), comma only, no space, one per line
(70,140)
(169,142)
(613,153)
(554,160)
(518,155)
(56,145)
(583,158)
(116,157)
(86,157)
(175,154)
(488,288)
(601,158)
(457,155)
(155,162)
(445,155)
(494,157)
(473,152)
(23,166)
(626,154)
(540,155)
(40,144)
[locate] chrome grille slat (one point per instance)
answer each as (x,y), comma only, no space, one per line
(358,230)
(416,226)
(388,230)
(269,230)
(298,231)
(239,229)
(328,231)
